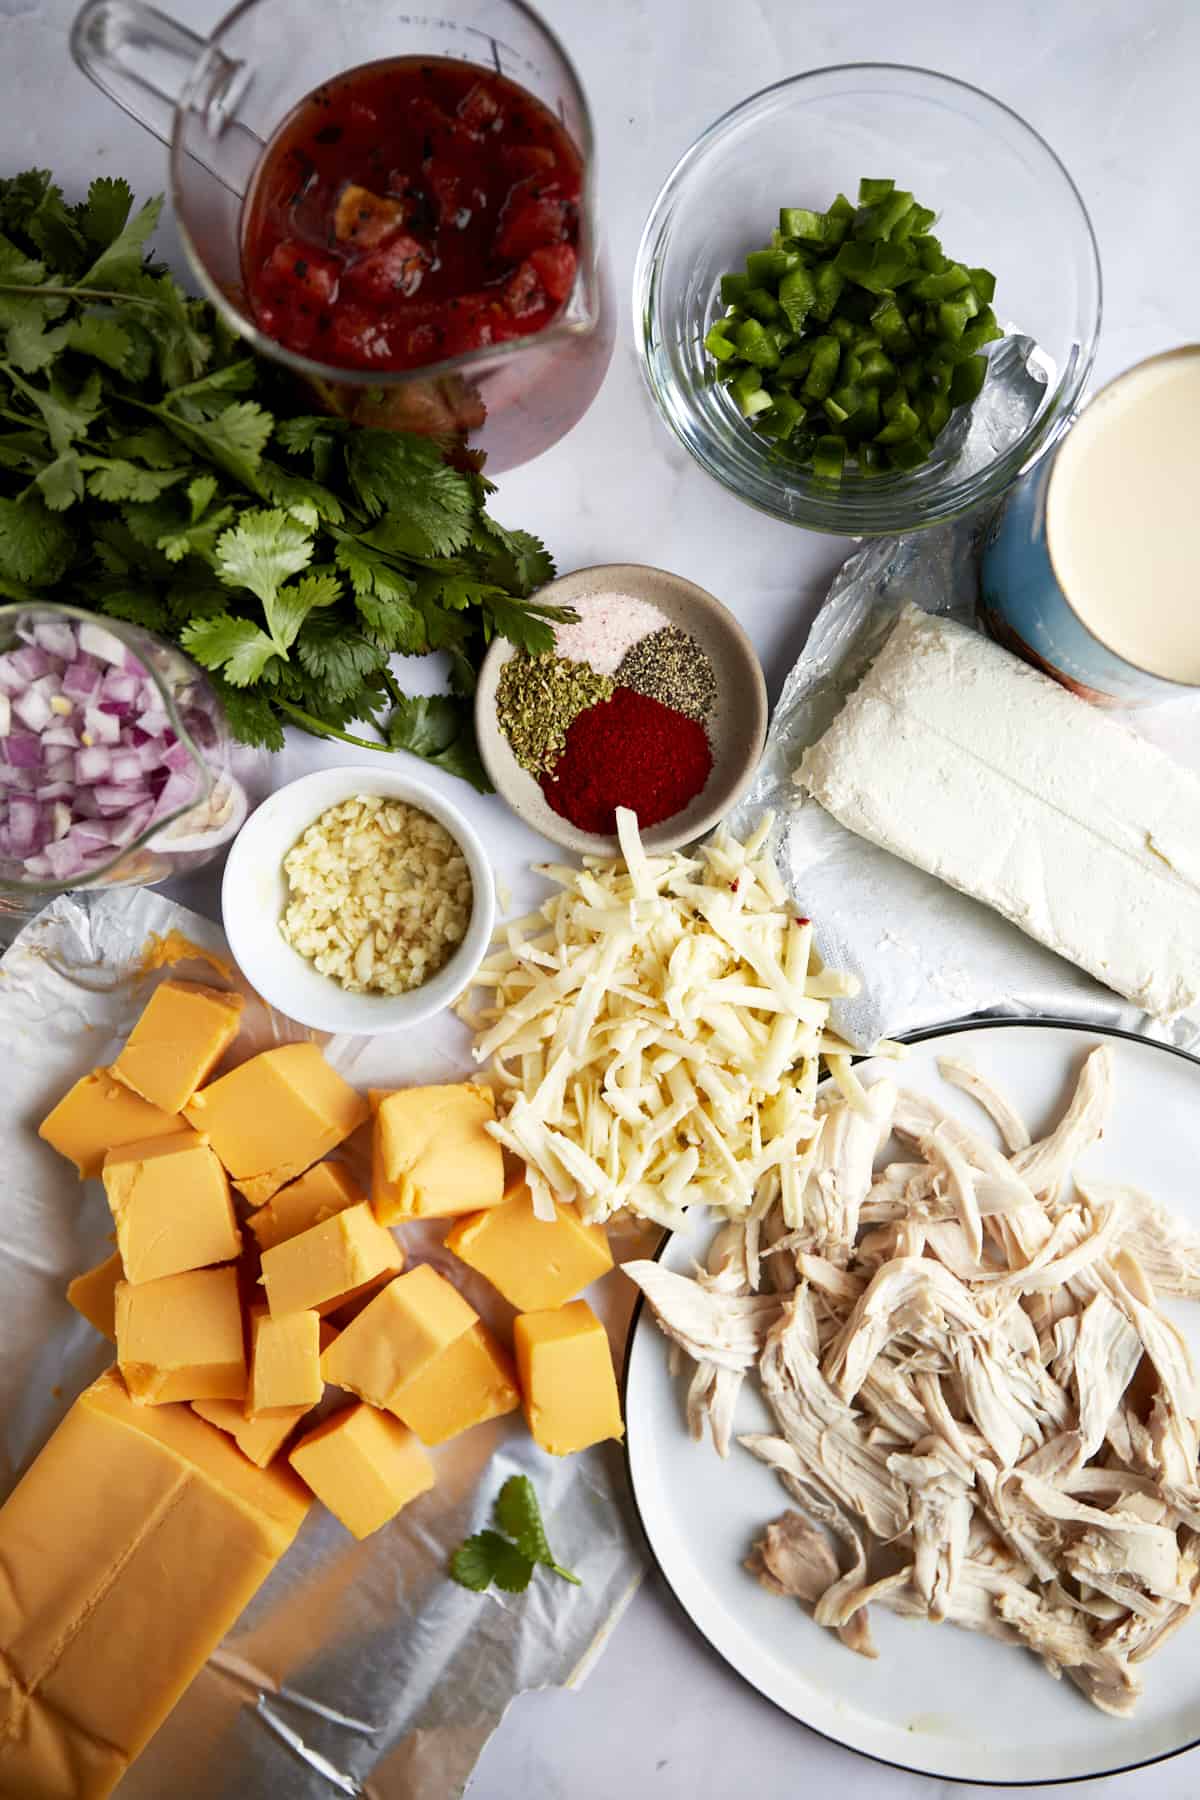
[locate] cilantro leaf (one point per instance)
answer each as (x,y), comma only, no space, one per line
(439,728)
(101,337)
(337,659)
(524,623)
(262,551)
(112,478)
(39,212)
(293,603)
(516,559)
(30,346)
(518,1513)
(35,545)
(135,605)
(66,415)
(394,624)
(234,440)
(60,482)
(308,501)
(121,260)
(487,1558)
(251,716)
(429,506)
(108,205)
(235,646)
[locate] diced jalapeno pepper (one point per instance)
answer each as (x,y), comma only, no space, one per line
(828,458)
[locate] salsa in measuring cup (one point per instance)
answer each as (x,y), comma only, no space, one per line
(408,211)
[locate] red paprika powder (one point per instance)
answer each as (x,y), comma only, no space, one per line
(628,751)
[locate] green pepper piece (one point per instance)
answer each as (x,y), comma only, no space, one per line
(838,219)
(875,367)
(844,330)
(749,393)
(717,342)
(797,292)
(877,267)
(801,222)
(829,458)
(953,318)
(928,251)
(933,410)
(766,267)
(796,363)
(902,423)
(874,223)
(785,414)
(871,459)
(911,453)
(822,373)
(982,330)
(913,223)
(828,282)
(941,286)
(861,409)
(869,191)
(888,321)
(733,289)
(967,380)
(984,283)
(762,304)
(834,411)
(754,344)
(939,368)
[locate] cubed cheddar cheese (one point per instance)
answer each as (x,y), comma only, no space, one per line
(98,1115)
(432,1155)
(94,1295)
(321,1191)
(535,1263)
(397,1336)
(184,1031)
(473,1379)
(276,1115)
(171,1205)
(260,1439)
(568,1385)
(285,1361)
(131,1545)
(181,1338)
(364,1466)
(323,1267)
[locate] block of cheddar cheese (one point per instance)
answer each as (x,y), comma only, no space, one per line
(397,1335)
(535,1263)
(262,1438)
(323,1267)
(181,1338)
(94,1295)
(129,1549)
(433,1156)
(323,1190)
(276,1115)
(568,1385)
(285,1361)
(184,1031)
(364,1466)
(171,1205)
(471,1380)
(97,1115)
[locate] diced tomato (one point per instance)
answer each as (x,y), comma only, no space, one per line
(365,220)
(478,108)
(555,265)
(395,270)
(439,128)
(296,272)
(534,214)
(523,292)
(528,159)
(358,337)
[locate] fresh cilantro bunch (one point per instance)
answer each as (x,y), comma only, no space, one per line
(508,1555)
(153,469)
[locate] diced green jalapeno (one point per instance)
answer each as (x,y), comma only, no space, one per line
(834,411)
(967,380)
(718,344)
(828,282)
(796,295)
(941,286)
(766,267)
(784,415)
(755,346)
(827,354)
(889,322)
(799,222)
(761,303)
(902,422)
(733,289)
(876,222)
(749,392)
(953,319)
(911,453)
(982,330)
(838,220)
(984,283)
(796,363)
(875,367)
(828,458)
(869,191)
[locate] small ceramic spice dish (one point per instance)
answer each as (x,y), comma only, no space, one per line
(620,605)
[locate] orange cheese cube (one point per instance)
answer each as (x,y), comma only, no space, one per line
(320,1192)
(397,1335)
(473,1379)
(131,1546)
(535,1263)
(180,1038)
(170,1202)
(94,1295)
(275,1116)
(181,1338)
(260,1439)
(433,1156)
(97,1115)
(285,1361)
(364,1466)
(567,1380)
(326,1265)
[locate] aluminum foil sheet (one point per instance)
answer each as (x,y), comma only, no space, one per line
(359,1668)
(924,953)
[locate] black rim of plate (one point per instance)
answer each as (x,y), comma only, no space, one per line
(953,1029)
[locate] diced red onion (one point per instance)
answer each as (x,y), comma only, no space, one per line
(39,866)
(92,764)
(21,750)
(33,709)
(127,766)
(117,797)
(25,825)
(81,679)
(5,715)
(54,790)
(56,639)
(179,791)
(60,820)
(176,758)
(154,723)
(101,727)
(95,640)
(30,662)
(60,737)
(122,831)
(122,687)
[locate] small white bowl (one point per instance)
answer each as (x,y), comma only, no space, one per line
(254,895)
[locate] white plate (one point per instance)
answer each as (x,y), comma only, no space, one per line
(939,1701)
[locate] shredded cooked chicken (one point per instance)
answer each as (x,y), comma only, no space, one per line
(981,1414)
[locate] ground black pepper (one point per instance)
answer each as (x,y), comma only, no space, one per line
(669,666)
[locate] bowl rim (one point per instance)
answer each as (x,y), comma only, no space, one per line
(397,1012)
(870,512)
(657,839)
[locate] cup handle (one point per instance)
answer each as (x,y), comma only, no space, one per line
(146,62)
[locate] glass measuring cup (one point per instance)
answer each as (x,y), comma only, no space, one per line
(218,102)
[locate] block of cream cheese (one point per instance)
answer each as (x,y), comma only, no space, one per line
(180,1038)
(99,1114)
(320,1192)
(170,1202)
(94,1295)
(397,1335)
(181,1338)
(276,1115)
(285,1361)
(959,758)
(323,1267)
(435,1156)
(364,1466)
(567,1379)
(471,1380)
(129,1549)
(260,1439)
(535,1263)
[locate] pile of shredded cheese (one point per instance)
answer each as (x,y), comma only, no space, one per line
(655,1032)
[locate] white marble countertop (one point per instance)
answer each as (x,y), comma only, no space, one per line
(1112,87)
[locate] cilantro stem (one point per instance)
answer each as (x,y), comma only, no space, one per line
(393,687)
(44,290)
(318,728)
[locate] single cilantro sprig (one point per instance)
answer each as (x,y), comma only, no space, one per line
(509,1560)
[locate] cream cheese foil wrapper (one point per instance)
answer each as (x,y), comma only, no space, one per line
(359,1668)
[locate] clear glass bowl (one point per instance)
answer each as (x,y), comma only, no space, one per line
(1004,201)
(198,801)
